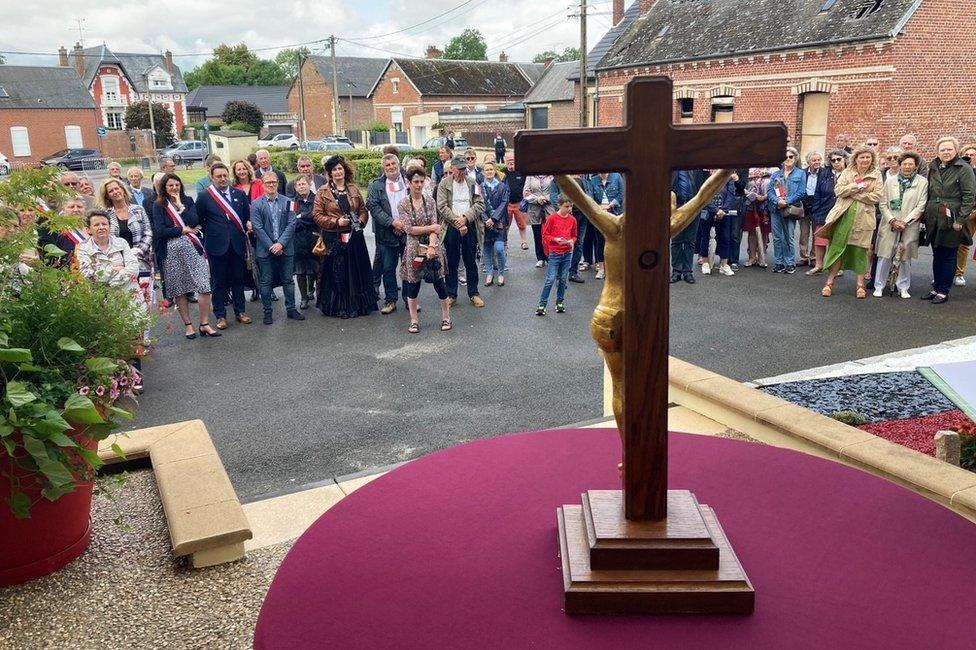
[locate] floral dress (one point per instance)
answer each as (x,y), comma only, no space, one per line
(426,216)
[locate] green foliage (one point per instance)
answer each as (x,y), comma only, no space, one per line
(137,117)
(366,163)
(242,126)
(236,66)
(469,45)
(378,127)
(850,418)
(64,342)
(569,54)
(287,60)
(241,111)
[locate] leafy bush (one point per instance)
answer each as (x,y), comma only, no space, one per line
(378,127)
(243,126)
(241,111)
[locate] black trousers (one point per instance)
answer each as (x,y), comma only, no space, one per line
(457,247)
(540,254)
(227,270)
(582,227)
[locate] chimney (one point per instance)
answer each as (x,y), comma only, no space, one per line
(645,6)
(433,52)
(618,12)
(169,62)
(549,60)
(63,56)
(503,57)
(79,53)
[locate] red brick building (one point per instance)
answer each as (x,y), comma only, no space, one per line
(861,67)
(116,80)
(553,102)
(356,76)
(42,111)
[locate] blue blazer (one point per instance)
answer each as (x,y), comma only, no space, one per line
(724,200)
(164,230)
(823,198)
(220,235)
(261,221)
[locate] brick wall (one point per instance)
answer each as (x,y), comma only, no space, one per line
(45,130)
(318,105)
(865,83)
(116,144)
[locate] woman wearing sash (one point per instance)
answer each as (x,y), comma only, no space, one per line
(185,270)
(345,287)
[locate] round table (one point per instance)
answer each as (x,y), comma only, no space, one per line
(459,549)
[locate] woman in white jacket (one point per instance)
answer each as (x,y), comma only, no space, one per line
(902,206)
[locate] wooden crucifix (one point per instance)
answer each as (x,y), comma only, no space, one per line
(631,321)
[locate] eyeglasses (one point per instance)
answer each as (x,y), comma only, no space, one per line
(967,158)
(892,158)
(836,159)
(72,183)
(872,144)
(790,156)
(470,158)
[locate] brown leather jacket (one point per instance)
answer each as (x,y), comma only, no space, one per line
(327,213)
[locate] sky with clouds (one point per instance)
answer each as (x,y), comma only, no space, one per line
(191,28)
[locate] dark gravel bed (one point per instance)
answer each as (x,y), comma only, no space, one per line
(878,397)
(127,591)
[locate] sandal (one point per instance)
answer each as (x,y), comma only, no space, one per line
(501,280)
(446,325)
(862,292)
(414,328)
(828,290)
(191,335)
(211,333)
(490,280)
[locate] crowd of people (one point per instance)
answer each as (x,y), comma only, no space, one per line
(860,209)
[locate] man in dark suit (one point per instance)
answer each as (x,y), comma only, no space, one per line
(264,167)
(224,213)
(306,169)
(274,226)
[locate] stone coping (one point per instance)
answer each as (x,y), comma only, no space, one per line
(775,421)
(205,517)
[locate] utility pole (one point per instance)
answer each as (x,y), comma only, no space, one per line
(301,99)
(149,105)
(583,75)
(337,118)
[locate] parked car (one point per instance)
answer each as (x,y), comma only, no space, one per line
(186,151)
(282,140)
(460,143)
(327,145)
(4,165)
(336,138)
(75,159)
(403,148)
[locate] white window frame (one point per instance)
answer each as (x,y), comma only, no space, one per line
(72,137)
(456,108)
(396,86)
(119,119)
(111,89)
(23,134)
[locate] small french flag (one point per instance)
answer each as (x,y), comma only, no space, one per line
(947,212)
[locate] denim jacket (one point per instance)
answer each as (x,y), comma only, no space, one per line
(614,190)
(796,188)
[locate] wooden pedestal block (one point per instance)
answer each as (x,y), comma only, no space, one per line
(673,590)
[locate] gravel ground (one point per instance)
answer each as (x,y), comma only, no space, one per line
(127,591)
(878,397)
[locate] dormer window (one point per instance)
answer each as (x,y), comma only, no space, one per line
(159,80)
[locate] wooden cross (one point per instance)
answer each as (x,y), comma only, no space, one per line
(647,149)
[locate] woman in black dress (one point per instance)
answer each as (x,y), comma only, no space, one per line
(306,233)
(345,287)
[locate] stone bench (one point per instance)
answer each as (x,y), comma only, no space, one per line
(777,422)
(205,518)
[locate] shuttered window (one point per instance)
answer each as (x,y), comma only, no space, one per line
(72,137)
(20,140)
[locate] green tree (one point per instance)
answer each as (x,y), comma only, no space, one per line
(241,111)
(235,55)
(266,73)
(137,117)
(569,54)
(469,45)
(287,60)
(235,65)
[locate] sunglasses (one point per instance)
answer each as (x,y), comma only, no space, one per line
(872,144)
(967,158)
(790,156)
(72,183)
(836,160)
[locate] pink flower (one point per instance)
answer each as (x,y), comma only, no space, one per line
(84,390)
(113,394)
(115,384)
(100,391)
(123,381)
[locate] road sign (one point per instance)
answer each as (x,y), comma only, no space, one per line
(102,132)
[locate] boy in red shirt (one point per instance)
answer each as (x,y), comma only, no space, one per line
(558,239)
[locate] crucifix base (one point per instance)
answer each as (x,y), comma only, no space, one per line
(681,565)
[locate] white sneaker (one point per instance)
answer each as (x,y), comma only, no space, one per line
(878,292)
(959,281)
(905,294)
(600,274)
(726,270)
(539,264)
(706,269)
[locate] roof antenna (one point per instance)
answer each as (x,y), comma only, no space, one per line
(81,30)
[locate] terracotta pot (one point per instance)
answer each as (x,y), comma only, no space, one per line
(55,535)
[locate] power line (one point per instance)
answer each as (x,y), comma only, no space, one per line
(429,20)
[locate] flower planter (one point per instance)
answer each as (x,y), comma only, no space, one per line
(55,535)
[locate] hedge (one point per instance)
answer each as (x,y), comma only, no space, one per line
(363,159)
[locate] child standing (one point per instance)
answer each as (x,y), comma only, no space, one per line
(558,239)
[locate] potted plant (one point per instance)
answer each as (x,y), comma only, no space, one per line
(65,346)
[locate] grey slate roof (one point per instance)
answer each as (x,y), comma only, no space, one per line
(596,54)
(363,72)
(686,30)
(42,87)
(270,99)
(453,78)
(134,66)
(533,71)
(555,85)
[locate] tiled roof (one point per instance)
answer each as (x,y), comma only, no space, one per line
(134,65)
(596,54)
(48,87)
(687,30)
(363,72)
(270,99)
(555,85)
(452,78)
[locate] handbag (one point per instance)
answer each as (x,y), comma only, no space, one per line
(795,211)
(320,249)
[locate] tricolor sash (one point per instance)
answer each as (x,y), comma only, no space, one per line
(76,235)
(226,207)
(177,220)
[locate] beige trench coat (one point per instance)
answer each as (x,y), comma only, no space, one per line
(867,202)
(912,209)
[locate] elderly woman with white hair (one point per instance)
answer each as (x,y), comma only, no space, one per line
(814,165)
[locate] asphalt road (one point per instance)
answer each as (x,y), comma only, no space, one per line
(300,402)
